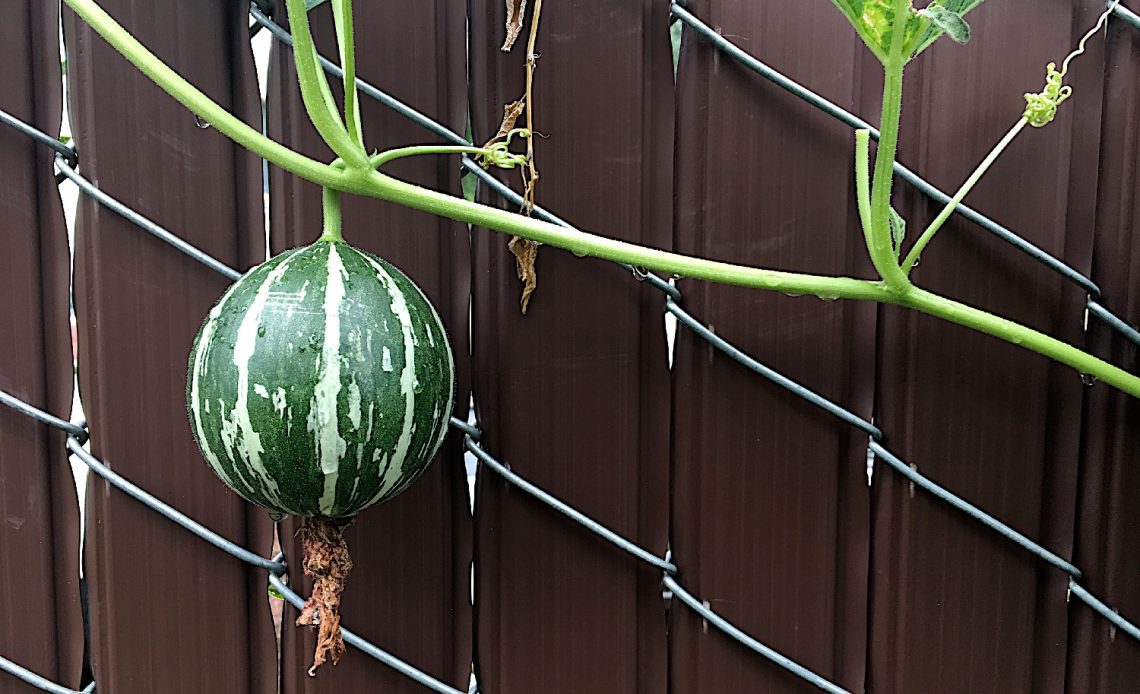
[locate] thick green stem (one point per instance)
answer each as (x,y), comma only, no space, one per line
(585,244)
(948,210)
(372,183)
(330,201)
(881,248)
(346,42)
(315,92)
(1022,336)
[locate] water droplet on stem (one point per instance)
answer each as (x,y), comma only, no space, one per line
(201,123)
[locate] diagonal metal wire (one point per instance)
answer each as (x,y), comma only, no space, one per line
(928,485)
(152,228)
(769,373)
(42,683)
(1104,610)
(36,413)
(724,625)
(369,648)
(1126,14)
(504,471)
(65,150)
(169,512)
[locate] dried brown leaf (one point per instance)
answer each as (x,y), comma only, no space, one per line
(526,253)
(516,13)
(511,114)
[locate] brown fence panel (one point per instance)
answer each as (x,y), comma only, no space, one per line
(956,607)
(409,591)
(169,612)
(770,508)
(574,395)
(40,627)
(1108,512)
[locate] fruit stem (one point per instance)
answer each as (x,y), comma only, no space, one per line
(330,199)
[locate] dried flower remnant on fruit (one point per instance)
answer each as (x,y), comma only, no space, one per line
(327,562)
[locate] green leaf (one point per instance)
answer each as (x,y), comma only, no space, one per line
(274,593)
(854,11)
(898,230)
(310,4)
(874,20)
(932,30)
(949,22)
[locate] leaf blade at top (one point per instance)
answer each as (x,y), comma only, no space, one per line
(949,22)
(854,11)
(933,31)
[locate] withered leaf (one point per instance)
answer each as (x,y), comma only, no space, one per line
(516,12)
(526,253)
(511,113)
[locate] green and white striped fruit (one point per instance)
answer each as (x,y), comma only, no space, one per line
(321,382)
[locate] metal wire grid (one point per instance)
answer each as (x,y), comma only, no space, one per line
(66,160)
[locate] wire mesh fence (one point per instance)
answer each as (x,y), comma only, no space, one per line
(67,163)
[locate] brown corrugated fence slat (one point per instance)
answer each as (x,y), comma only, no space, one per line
(409,591)
(955,607)
(574,395)
(40,621)
(770,507)
(169,613)
(1108,511)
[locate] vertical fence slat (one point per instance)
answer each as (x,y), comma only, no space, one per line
(1108,519)
(954,606)
(40,620)
(169,612)
(770,515)
(574,395)
(409,591)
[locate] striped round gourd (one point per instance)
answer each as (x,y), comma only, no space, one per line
(321,382)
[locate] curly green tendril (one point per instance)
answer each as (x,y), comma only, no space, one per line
(1041,108)
(498,154)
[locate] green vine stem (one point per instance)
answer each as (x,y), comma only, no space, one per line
(862,185)
(488,156)
(881,248)
(967,186)
(346,43)
(364,180)
(315,91)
